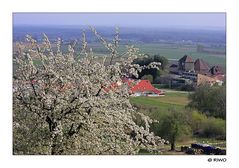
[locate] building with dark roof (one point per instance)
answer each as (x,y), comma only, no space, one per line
(173,68)
(198,72)
(216,70)
(186,63)
(201,67)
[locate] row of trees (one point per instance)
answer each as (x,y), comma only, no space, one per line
(180,125)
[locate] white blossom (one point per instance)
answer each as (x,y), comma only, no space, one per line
(73,105)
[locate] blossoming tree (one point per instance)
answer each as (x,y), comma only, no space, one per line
(76,103)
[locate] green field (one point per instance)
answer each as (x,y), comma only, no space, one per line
(170,51)
(155,107)
(178,52)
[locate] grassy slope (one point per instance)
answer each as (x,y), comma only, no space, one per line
(160,105)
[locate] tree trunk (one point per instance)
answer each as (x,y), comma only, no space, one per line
(55,145)
(172,146)
(56,138)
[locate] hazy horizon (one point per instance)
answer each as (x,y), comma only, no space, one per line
(211,21)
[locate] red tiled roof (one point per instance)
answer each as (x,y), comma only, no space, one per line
(144,86)
(140,86)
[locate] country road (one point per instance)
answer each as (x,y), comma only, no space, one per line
(175,91)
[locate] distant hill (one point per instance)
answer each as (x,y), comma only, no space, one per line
(127,34)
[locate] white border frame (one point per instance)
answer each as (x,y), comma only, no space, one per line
(9,6)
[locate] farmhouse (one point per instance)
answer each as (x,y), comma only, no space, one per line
(136,87)
(142,88)
(186,63)
(201,67)
(198,72)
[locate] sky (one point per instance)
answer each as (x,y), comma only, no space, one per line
(191,20)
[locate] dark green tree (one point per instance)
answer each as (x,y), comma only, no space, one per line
(210,100)
(163,60)
(152,71)
(173,126)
